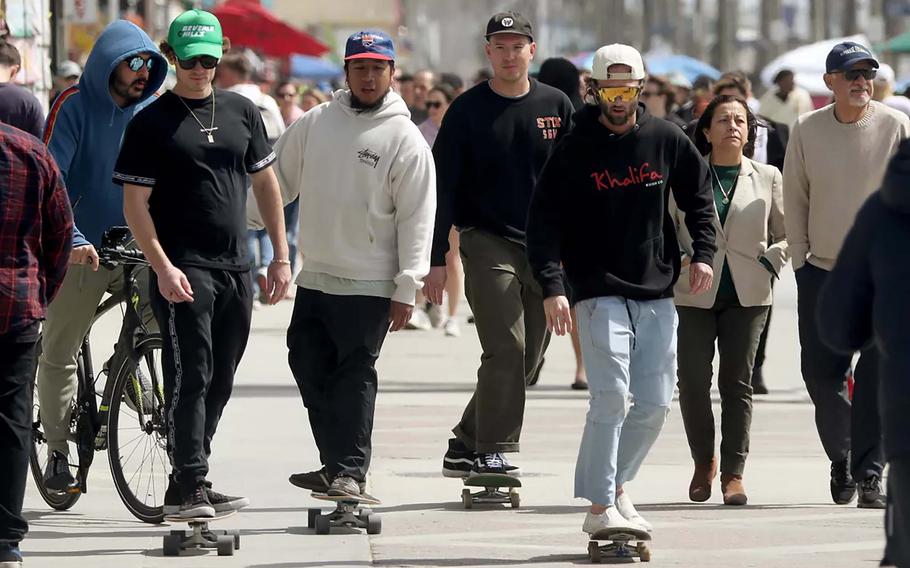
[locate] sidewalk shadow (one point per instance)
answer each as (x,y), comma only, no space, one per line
(442,562)
(685,506)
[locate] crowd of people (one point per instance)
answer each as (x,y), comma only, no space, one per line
(645,216)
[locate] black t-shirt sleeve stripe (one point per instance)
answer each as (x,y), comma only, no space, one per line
(121,179)
(262,164)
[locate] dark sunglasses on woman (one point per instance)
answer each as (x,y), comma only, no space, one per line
(434,104)
(207,62)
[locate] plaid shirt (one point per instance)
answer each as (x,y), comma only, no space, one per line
(36,230)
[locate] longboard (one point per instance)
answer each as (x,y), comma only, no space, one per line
(492,483)
(621,543)
(348,513)
(225,542)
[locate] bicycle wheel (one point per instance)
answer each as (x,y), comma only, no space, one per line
(61,501)
(137,442)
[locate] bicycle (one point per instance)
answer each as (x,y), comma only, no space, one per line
(132,402)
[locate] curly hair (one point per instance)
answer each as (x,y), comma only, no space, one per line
(704,123)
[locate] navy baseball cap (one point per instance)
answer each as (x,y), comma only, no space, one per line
(370,45)
(843,55)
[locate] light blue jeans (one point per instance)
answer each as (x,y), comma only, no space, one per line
(629,350)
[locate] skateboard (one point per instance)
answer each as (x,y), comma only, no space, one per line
(491,483)
(620,544)
(349,512)
(225,542)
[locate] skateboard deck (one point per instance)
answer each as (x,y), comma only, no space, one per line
(622,543)
(364,499)
(348,513)
(491,483)
(201,537)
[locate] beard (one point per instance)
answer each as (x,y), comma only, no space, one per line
(126,90)
(617,120)
(360,106)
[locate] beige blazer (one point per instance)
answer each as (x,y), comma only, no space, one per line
(754,228)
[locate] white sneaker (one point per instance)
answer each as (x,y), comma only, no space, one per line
(609,519)
(627,510)
(437,318)
(419,320)
(451,328)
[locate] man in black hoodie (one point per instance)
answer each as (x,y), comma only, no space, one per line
(864,300)
(600,212)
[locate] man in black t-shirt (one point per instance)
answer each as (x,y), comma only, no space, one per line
(492,145)
(184,166)
(18,106)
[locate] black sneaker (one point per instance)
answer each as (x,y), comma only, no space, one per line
(57,476)
(493,463)
(843,488)
(458,460)
(317,481)
(10,557)
(223,503)
(172,497)
(196,504)
(870,494)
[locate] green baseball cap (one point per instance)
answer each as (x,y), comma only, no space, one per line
(194,33)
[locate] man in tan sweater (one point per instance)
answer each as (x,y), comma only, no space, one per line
(836,158)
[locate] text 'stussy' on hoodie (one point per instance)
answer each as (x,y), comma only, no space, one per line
(600,210)
(85,127)
(367,187)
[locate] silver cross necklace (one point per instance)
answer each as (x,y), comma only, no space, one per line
(207,131)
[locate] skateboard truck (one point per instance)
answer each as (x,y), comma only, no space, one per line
(620,545)
(497,488)
(348,513)
(201,537)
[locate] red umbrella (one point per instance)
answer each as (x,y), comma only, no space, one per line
(249,24)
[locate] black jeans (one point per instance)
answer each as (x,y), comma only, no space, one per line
(333,344)
(18,363)
(736,329)
(203,342)
(844,429)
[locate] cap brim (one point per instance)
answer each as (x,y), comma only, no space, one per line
(369,56)
(197,49)
(845,66)
(529,36)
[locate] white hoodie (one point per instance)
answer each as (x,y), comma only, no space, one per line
(367,186)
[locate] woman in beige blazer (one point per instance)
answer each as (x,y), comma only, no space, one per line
(751,250)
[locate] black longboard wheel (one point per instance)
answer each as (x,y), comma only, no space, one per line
(181,534)
(466,498)
(311,516)
(225,545)
(594,552)
(515,500)
(322,524)
(374,524)
(172,544)
(644,552)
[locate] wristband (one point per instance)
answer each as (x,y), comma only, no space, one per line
(280,261)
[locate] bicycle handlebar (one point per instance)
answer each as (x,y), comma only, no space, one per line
(110,257)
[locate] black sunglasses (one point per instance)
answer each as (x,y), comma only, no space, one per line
(207,62)
(434,104)
(136,63)
(854,74)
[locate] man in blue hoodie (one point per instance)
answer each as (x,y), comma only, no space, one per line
(83,133)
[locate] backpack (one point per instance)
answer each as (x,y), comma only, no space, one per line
(272,129)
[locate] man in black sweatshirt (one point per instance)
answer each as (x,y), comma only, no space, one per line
(600,213)
(492,145)
(864,300)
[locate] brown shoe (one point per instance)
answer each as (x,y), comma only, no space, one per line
(700,487)
(732,486)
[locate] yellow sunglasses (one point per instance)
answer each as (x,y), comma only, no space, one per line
(624,94)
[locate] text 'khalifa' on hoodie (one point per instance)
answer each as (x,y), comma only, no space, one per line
(85,127)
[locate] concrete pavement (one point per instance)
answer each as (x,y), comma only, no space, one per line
(425,380)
